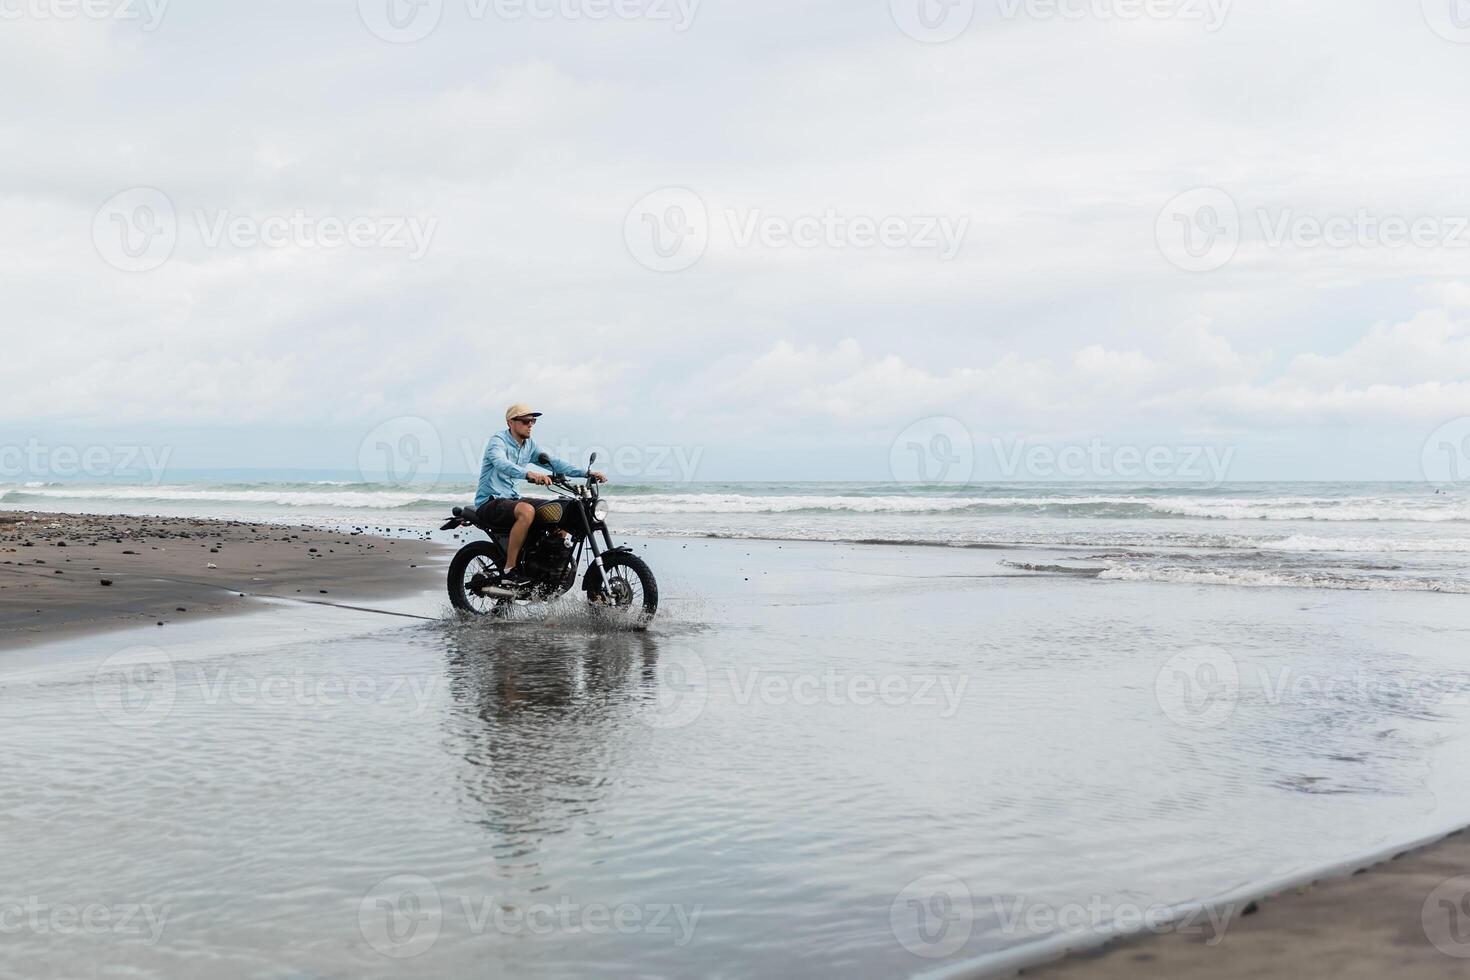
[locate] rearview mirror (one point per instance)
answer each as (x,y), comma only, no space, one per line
(592,460)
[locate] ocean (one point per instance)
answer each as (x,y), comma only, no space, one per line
(1050,712)
(1357,536)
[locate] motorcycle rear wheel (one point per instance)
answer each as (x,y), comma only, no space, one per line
(477,563)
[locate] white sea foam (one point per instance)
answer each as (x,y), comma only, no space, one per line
(1119,506)
(1271,578)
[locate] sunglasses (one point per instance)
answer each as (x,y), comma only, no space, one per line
(525,420)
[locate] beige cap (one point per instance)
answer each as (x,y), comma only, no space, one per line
(518,410)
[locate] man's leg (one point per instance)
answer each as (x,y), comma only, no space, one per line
(525,514)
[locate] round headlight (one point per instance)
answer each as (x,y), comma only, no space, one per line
(600,511)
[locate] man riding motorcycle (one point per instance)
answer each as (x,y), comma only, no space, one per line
(498,502)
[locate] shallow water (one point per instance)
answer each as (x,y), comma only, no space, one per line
(822,757)
(1342,535)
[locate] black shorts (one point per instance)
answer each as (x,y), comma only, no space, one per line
(500,512)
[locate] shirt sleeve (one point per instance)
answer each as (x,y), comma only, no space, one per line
(498,459)
(558,466)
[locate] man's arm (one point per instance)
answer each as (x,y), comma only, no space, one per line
(558,466)
(498,459)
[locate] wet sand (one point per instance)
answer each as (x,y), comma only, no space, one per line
(61,574)
(1404,918)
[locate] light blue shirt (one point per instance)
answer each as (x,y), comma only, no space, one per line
(505,465)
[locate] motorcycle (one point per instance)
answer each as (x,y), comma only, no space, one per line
(563,539)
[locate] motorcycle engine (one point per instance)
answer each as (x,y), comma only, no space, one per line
(548,557)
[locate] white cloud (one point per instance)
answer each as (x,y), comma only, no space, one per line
(1059,141)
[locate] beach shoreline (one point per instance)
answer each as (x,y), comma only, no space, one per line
(1370,917)
(67,574)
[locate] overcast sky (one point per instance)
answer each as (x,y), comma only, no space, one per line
(772,235)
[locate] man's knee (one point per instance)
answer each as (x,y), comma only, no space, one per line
(524,513)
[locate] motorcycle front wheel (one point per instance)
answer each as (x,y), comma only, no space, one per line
(629,591)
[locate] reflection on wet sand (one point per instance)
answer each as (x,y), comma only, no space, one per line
(545,724)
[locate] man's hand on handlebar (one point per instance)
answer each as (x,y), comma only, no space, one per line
(597,477)
(540,479)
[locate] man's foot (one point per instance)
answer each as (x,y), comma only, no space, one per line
(515,580)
